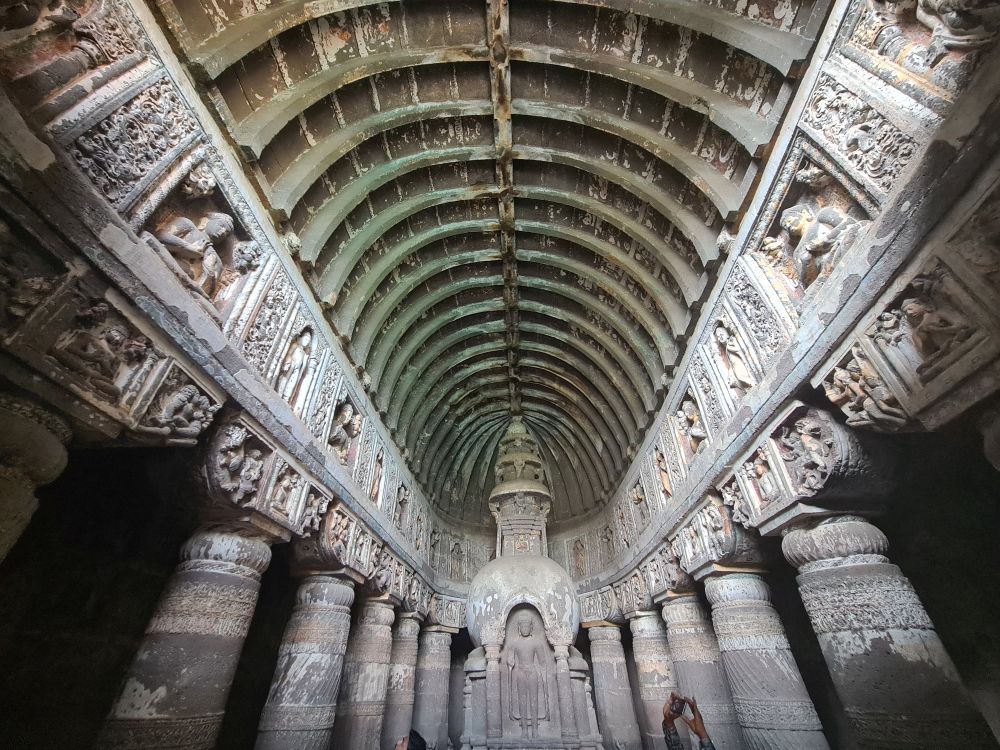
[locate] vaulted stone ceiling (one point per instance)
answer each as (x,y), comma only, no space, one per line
(505,208)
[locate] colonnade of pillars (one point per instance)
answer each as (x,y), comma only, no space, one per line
(364,684)
(896,683)
(359,684)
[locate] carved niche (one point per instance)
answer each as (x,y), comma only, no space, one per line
(297,370)
(815,227)
(375,485)
(664,481)
(195,233)
(316,505)
(733,359)
(579,557)
(689,427)
(237,461)
(640,506)
(399,516)
(286,492)
(344,432)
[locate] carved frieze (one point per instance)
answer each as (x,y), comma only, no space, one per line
(710,539)
(855,132)
(262,332)
(179,413)
(447,611)
(121,154)
(600,605)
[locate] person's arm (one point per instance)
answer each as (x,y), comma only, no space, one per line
(696,725)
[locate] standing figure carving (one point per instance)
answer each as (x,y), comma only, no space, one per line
(638,497)
(525,660)
(402,500)
(661,466)
(733,360)
(297,364)
(579,559)
(457,562)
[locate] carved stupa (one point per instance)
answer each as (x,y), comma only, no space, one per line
(526,681)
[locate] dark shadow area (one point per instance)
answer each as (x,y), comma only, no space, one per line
(78,590)
(260,654)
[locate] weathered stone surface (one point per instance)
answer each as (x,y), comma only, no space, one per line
(612,692)
(430,709)
(302,703)
(365,680)
(175,691)
(698,668)
(885,658)
(769,696)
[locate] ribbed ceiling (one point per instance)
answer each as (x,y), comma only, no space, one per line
(504,209)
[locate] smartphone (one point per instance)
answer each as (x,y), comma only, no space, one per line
(677,706)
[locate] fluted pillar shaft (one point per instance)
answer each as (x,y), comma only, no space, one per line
(302,704)
(361,706)
(32,452)
(698,668)
(898,686)
(771,701)
(430,710)
(655,671)
(494,725)
(175,691)
(612,693)
(402,679)
(564,686)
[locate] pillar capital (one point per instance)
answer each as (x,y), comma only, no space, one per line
(870,623)
(34,439)
(32,453)
(605,631)
(836,541)
(233,546)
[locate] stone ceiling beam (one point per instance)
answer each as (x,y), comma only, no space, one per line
(418,366)
(442,393)
(238,37)
(582,357)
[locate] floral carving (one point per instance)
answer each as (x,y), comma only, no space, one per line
(132,142)
(863,136)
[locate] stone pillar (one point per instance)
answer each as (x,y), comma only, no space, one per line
(771,701)
(361,705)
(895,680)
(494,720)
(175,691)
(32,453)
(402,668)
(564,686)
(698,668)
(430,708)
(302,703)
(655,671)
(615,711)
